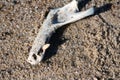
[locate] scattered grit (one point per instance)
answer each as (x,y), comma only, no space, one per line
(85,50)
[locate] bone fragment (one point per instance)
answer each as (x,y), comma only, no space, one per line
(55,19)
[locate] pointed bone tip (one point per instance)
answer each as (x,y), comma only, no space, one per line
(92,10)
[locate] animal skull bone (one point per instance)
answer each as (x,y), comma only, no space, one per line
(55,19)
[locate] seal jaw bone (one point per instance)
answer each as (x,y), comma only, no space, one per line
(55,19)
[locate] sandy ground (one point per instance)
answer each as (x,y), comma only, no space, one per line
(85,50)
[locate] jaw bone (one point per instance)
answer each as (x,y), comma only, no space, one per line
(56,18)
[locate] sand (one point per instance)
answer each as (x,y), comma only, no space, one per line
(88,49)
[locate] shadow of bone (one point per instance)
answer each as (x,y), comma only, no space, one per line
(56,40)
(102,9)
(82,3)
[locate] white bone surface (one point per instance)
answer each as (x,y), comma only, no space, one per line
(55,19)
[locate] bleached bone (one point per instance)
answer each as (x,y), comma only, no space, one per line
(55,19)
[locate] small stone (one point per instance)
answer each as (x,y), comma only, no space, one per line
(1,5)
(63,46)
(95,78)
